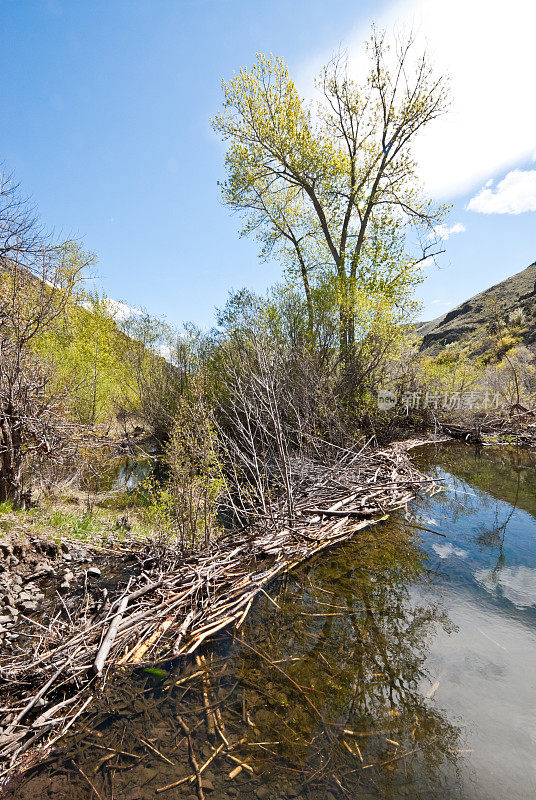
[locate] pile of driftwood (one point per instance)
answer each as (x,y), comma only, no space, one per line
(518,429)
(171,604)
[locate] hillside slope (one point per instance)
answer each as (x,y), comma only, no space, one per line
(518,291)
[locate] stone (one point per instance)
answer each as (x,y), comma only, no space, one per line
(67,557)
(43,569)
(30,605)
(208,786)
(147,774)
(94,572)
(262,792)
(135,794)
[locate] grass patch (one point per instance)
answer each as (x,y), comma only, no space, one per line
(109,519)
(86,525)
(125,501)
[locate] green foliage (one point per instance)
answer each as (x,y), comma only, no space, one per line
(196,480)
(157,510)
(333,191)
(154,672)
(88,352)
(453,370)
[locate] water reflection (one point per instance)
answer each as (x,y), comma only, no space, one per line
(491,543)
(360,649)
(395,666)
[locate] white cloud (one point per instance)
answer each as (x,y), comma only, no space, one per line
(487,48)
(118,310)
(167,351)
(448,550)
(515,194)
(517,584)
(443,232)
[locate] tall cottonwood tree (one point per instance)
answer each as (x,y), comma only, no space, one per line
(334,189)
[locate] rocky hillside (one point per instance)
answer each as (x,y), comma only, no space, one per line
(518,291)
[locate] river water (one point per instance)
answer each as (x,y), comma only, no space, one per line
(401,664)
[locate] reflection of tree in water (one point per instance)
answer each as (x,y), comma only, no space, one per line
(493,536)
(479,479)
(505,473)
(359,647)
(330,702)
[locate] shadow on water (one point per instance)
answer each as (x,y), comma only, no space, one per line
(391,667)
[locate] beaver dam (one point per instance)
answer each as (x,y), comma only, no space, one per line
(161,605)
(394,664)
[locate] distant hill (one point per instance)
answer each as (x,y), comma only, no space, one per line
(518,291)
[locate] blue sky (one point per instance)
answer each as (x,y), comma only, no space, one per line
(106,109)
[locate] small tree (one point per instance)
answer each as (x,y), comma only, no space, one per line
(88,350)
(159,365)
(38,278)
(334,191)
(195,482)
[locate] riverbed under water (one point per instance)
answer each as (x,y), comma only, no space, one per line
(401,664)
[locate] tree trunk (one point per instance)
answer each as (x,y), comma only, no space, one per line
(11,488)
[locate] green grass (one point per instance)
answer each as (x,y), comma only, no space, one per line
(69,518)
(86,525)
(118,502)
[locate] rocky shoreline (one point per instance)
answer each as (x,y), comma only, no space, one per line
(32,568)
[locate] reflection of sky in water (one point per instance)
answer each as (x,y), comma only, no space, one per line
(430,672)
(446,550)
(516,584)
(485,573)
(490,545)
